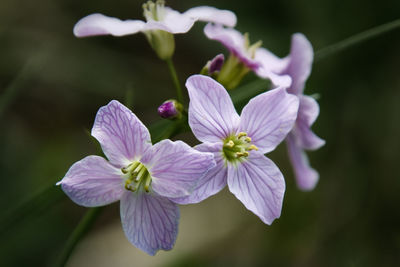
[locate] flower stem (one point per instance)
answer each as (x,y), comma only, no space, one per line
(356,39)
(84,225)
(175,80)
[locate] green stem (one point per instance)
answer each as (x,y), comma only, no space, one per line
(11,92)
(175,80)
(84,225)
(356,39)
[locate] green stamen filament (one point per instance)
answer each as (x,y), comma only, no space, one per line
(154,11)
(237,147)
(251,49)
(136,174)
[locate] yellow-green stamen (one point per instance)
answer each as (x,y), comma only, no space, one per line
(136,175)
(154,11)
(237,147)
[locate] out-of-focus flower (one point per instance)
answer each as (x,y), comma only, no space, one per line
(144,177)
(244,57)
(298,66)
(239,144)
(161,23)
(170,109)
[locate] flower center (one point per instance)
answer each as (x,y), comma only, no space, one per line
(251,49)
(136,175)
(238,146)
(154,11)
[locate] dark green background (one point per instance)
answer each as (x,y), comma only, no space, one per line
(350,219)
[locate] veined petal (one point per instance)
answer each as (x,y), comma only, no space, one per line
(302,133)
(268,118)
(233,41)
(173,22)
(306,177)
(175,167)
(212,115)
(150,222)
(122,136)
(300,62)
(212,14)
(259,185)
(93,182)
(98,24)
(211,183)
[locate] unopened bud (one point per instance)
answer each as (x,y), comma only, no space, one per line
(214,65)
(170,109)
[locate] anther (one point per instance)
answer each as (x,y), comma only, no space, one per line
(252,147)
(242,154)
(230,144)
(241,134)
(247,139)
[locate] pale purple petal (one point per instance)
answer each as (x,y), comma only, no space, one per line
(173,22)
(300,63)
(271,62)
(233,41)
(176,168)
(268,118)
(212,14)
(98,24)
(211,183)
(277,79)
(271,67)
(308,112)
(306,177)
(212,115)
(93,182)
(259,185)
(121,134)
(150,222)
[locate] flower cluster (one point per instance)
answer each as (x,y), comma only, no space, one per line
(150,180)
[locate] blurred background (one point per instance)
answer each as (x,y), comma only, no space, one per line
(52,84)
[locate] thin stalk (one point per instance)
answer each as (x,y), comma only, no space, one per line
(12,90)
(175,80)
(84,225)
(356,39)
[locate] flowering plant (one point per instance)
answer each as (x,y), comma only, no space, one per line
(150,180)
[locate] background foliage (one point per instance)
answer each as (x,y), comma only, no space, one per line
(58,83)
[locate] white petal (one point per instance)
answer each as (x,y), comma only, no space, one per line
(98,24)
(212,14)
(173,22)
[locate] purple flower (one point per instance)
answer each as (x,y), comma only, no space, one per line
(161,23)
(144,177)
(298,66)
(239,144)
(244,57)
